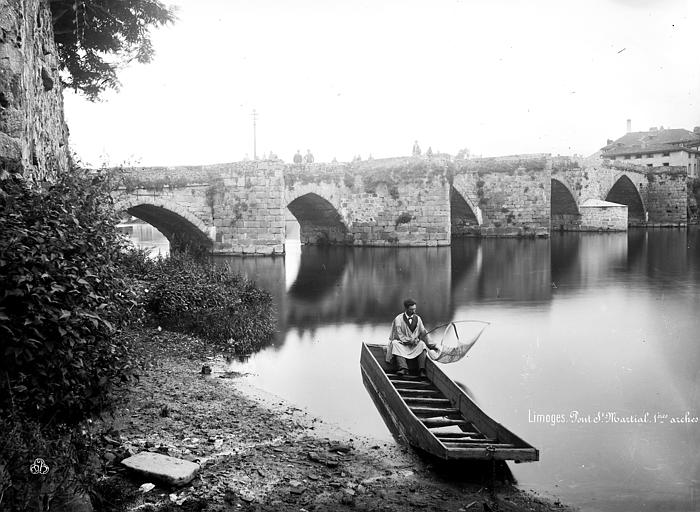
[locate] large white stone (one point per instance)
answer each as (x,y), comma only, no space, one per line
(162,467)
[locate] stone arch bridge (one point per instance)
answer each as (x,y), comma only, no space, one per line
(240,208)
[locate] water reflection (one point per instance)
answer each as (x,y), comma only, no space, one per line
(501,269)
(319,273)
(594,323)
(587,323)
(587,259)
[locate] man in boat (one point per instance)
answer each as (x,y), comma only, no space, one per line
(408,340)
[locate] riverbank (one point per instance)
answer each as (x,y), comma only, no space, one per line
(259,453)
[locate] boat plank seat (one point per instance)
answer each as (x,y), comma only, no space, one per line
(457,435)
(396,376)
(426,401)
(433,411)
(478,445)
(442,422)
(420,393)
(467,442)
(412,384)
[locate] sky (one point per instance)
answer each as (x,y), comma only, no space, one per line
(369,77)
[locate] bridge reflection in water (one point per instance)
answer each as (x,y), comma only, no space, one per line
(594,323)
(335,285)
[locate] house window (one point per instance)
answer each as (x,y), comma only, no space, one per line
(639,156)
(666,154)
(627,157)
(650,165)
(666,164)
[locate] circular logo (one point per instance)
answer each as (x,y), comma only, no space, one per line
(39,467)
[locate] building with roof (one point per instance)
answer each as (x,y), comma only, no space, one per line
(658,147)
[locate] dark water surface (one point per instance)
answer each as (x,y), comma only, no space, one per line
(599,326)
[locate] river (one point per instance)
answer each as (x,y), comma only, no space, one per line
(592,355)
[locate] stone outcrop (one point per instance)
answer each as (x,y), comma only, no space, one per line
(33,133)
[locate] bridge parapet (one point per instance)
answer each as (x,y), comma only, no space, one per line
(157,178)
(240,208)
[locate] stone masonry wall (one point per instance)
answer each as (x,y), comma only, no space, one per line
(693,191)
(399,201)
(240,205)
(33,133)
(597,215)
(513,193)
(666,196)
(662,191)
(240,208)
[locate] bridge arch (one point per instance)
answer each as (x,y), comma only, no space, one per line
(465,216)
(565,214)
(182,229)
(320,223)
(624,191)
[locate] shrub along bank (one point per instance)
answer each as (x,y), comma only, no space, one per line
(185,294)
(64,298)
(68,292)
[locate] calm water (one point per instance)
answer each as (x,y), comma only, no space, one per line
(599,325)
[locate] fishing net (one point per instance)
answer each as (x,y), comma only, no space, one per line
(452,347)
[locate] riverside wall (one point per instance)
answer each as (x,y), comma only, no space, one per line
(33,132)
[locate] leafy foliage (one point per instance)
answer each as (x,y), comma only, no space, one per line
(206,300)
(404,218)
(510,166)
(64,297)
(695,186)
(66,453)
(95,37)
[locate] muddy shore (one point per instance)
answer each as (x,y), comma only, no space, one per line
(259,453)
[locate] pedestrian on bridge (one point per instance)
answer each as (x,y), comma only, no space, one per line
(416,149)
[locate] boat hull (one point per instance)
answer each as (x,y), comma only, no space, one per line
(437,416)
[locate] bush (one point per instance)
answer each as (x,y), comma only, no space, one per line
(66,454)
(136,262)
(695,186)
(188,295)
(64,298)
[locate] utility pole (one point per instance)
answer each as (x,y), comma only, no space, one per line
(254,115)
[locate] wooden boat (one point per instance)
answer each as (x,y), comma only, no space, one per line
(435,415)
